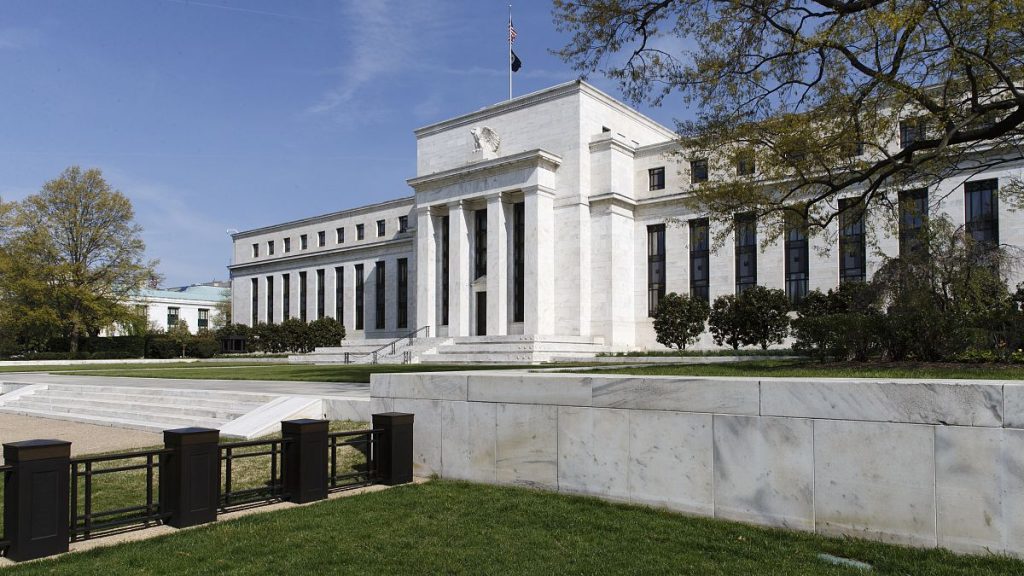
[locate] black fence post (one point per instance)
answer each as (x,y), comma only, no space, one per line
(393,447)
(190,476)
(305,459)
(36,502)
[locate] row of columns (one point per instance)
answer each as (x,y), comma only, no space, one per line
(538,249)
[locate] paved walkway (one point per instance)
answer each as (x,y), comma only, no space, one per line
(284,388)
(84,438)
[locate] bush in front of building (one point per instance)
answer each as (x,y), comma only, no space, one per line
(679,320)
(325,332)
(725,322)
(763,315)
(203,345)
(293,335)
(841,324)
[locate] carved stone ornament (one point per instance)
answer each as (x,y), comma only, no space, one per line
(485,140)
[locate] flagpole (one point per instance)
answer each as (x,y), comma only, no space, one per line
(509,51)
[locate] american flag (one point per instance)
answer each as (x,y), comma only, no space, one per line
(511,32)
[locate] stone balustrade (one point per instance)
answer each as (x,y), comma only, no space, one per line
(919,462)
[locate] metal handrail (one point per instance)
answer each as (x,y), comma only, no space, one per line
(410,336)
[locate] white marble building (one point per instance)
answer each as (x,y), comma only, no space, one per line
(551,217)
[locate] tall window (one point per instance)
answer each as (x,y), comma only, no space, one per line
(852,248)
(255,250)
(912,130)
(480,249)
(746,251)
(173,315)
(286,296)
(655,267)
(270,247)
(380,228)
(254,306)
(359,296)
(698,171)
(745,163)
(380,296)
(287,245)
(402,300)
(913,212)
(320,294)
(321,238)
(204,318)
(981,204)
(360,232)
(303,242)
(270,299)
(700,259)
(403,223)
(339,235)
(518,262)
(797,257)
(445,256)
(656,178)
(339,294)
(303,288)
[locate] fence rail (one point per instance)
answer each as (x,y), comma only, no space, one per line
(51,499)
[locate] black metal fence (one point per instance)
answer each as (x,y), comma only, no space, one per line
(51,499)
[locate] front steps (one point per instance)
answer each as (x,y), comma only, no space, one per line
(238,414)
(360,352)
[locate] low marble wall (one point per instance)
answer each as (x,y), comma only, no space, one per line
(927,463)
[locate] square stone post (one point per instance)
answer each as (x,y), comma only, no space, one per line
(539,260)
(459,270)
(497,266)
(392,447)
(426,270)
(304,459)
(36,501)
(190,476)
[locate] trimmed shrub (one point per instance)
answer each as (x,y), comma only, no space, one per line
(160,346)
(726,322)
(325,332)
(842,324)
(763,316)
(678,321)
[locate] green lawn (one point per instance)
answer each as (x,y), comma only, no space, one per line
(446,527)
(114,366)
(296,372)
(810,368)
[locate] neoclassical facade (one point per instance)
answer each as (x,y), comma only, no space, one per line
(554,216)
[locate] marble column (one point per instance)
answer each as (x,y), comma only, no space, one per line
(459,270)
(497,266)
(426,271)
(539,261)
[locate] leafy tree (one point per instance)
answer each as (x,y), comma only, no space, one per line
(680,320)
(180,335)
(70,258)
(325,332)
(764,313)
(811,95)
(726,321)
(222,313)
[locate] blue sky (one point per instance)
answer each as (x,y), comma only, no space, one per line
(233,114)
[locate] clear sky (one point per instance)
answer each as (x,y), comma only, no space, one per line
(234,114)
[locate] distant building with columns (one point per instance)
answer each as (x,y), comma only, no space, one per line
(551,221)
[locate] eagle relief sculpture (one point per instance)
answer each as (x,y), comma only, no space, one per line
(485,141)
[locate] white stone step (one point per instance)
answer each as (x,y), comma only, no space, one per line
(156,399)
(121,422)
(187,393)
(516,347)
(116,413)
(202,410)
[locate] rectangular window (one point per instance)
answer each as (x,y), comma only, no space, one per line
(255,250)
(745,163)
(360,232)
(746,251)
(912,130)
(204,318)
(797,254)
(698,171)
(851,149)
(321,301)
(339,235)
(380,228)
(303,242)
(518,262)
(981,206)
(380,295)
(270,247)
(913,213)
(321,238)
(287,245)
(402,312)
(173,315)
(852,248)
(656,178)
(700,259)
(254,305)
(655,267)
(445,257)
(339,294)
(403,224)
(359,296)
(303,290)
(480,244)
(286,296)
(270,299)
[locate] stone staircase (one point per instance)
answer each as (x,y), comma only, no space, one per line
(360,352)
(514,349)
(240,414)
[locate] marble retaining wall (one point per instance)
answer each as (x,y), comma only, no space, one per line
(926,463)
